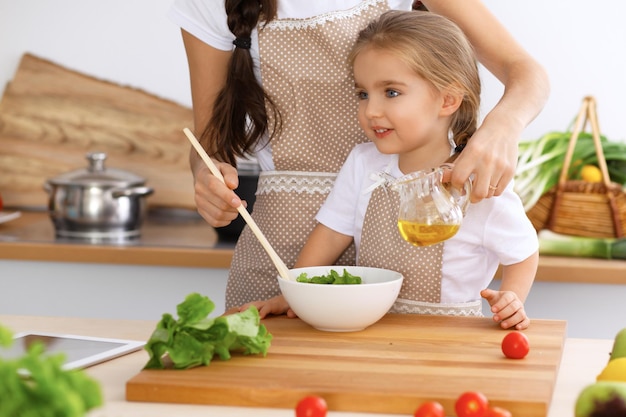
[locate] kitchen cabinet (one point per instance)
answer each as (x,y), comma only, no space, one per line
(145,292)
(111,291)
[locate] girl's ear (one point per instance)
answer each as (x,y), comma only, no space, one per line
(451,102)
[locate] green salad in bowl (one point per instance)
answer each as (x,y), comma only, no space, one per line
(338,307)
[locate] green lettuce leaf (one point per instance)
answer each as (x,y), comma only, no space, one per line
(194,339)
(332,277)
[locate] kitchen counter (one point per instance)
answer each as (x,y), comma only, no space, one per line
(183,239)
(582,360)
(172,238)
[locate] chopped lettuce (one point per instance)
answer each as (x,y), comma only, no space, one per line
(194,339)
(332,278)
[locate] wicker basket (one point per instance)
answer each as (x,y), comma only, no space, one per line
(582,208)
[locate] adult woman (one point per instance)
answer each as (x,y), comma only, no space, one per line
(300,50)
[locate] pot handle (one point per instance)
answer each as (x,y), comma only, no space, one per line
(131,192)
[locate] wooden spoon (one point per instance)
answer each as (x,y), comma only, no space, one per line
(283,271)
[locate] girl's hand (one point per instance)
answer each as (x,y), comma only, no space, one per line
(275,306)
(215,201)
(507,309)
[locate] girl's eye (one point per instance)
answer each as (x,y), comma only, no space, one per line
(361,95)
(392,93)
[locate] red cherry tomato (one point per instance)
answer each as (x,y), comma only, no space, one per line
(471,404)
(430,409)
(515,345)
(311,406)
(498,412)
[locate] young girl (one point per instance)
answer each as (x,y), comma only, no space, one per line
(418,88)
(272,77)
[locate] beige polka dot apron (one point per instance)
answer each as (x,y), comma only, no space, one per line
(305,70)
(382,246)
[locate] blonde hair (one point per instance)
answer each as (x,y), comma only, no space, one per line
(438,51)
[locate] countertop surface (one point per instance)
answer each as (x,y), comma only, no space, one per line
(181,238)
(582,360)
(168,238)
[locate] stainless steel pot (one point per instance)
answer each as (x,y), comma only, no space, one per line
(97,203)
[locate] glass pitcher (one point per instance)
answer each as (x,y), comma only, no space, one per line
(431,211)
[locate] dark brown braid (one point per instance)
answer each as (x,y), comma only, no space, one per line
(239,116)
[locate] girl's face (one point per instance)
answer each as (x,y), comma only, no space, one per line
(400,111)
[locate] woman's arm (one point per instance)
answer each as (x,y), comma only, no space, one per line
(492,152)
(208,67)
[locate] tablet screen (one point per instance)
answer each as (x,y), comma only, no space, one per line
(79,351)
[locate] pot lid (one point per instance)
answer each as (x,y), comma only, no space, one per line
(96,174)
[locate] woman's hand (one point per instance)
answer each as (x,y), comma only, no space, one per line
(490,160)
(507,309)
(274,306)
(215,201)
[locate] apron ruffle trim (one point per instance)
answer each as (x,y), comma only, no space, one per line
(295,181)
(295,24)
(469,309)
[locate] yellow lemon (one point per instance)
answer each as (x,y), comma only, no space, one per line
(615,370)
(591,173)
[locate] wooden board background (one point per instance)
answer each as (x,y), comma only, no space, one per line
(390,367)
(51,117)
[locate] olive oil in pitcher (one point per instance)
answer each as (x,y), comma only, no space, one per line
(431,211)
(420,234)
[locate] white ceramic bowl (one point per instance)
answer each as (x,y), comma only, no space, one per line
(342,308)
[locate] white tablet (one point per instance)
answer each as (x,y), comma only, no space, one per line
(79,351)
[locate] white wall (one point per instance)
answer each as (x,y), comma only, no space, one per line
(132,43)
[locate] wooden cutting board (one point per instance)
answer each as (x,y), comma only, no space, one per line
(390,367)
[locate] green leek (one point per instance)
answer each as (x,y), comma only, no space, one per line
(555,244)
(540,162)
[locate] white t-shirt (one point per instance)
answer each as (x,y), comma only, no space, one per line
(494,231)
(206,20)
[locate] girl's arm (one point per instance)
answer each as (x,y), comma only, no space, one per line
(507,304)
(323,247)
(492,152)
(208,66)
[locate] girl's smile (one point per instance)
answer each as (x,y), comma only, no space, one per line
(381,132)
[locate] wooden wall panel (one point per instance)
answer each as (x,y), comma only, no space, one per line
(51,117)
